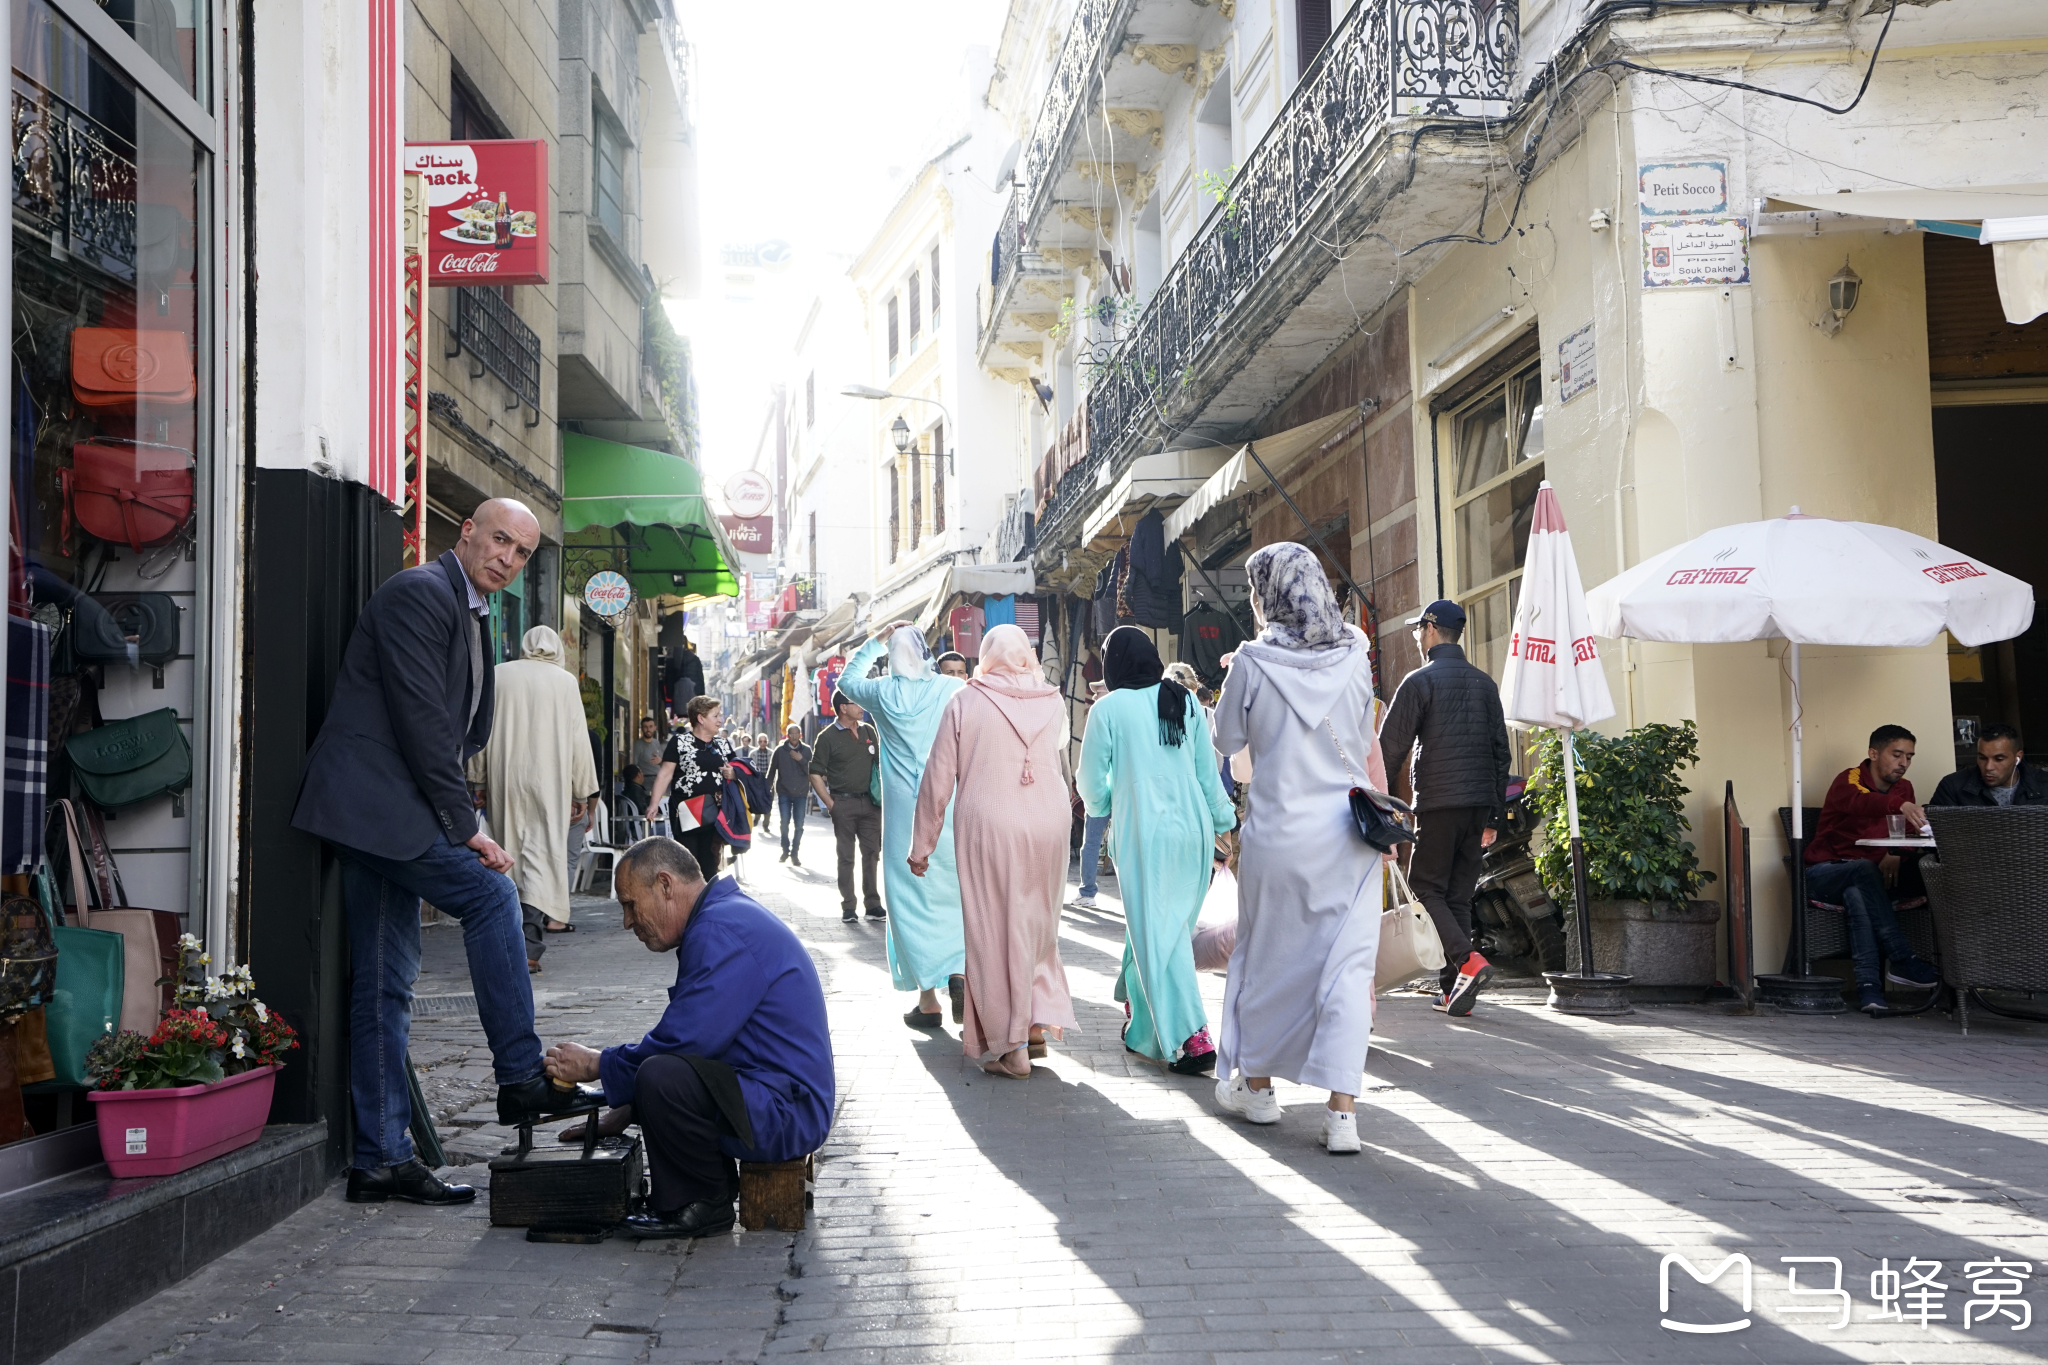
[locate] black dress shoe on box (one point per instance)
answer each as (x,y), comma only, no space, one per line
(705,1218)
(536,1101)
(409,1181)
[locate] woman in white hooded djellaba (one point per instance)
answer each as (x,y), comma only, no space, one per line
(1298,1000)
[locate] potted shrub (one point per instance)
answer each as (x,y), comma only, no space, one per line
(1642,873)
(200,1084)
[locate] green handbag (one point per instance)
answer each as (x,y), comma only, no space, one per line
(91,976)
(127,762)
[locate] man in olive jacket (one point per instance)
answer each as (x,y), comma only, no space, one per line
(1460,780)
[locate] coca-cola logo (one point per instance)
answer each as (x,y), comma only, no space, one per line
(482,263)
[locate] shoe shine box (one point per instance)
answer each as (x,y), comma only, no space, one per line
(566,1186)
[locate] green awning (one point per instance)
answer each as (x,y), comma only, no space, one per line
(644,512)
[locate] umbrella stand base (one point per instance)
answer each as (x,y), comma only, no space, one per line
(1595,994)
(1801,994)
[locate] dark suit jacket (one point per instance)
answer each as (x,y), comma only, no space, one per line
(385,774)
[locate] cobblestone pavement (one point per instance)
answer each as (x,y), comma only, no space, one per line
(1524,1175)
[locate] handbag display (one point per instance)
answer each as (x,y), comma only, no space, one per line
(114,368)
(149,937)
(131,493)
(28,957)
(1409,945)
(126,762)
(1383,821)
(85,1001)
(125,627)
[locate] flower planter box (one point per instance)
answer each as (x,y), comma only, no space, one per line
(162,1132)
(1670,951)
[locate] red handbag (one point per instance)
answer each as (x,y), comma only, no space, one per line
(128,493)
(112,368)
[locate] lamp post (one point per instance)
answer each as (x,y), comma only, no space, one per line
(900,429)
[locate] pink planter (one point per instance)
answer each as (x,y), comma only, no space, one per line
(162,1132)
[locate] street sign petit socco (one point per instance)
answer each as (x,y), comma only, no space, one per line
(487,210)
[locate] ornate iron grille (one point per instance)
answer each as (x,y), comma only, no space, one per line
(74,180)
(486,327)
(1457,58)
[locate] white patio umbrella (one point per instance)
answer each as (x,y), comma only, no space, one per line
(1553,677)
(1813,581)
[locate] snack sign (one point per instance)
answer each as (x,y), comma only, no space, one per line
(487,210)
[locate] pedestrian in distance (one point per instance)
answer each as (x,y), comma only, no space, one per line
(1147,757)
(926,950)
(384,786)
(1297,1002)
(695,766)
(789,769)
(537,774)
(843,773)
(953,664)
(999,761)
(759,759)
(1448,711)
(1094,835)
(647,748)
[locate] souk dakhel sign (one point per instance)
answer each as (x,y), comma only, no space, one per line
(487,210)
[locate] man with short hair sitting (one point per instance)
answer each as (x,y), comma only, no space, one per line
(739,1066)
(1860,879)
(2000,777)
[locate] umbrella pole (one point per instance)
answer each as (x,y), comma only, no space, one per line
(1799,948)
(1581,910)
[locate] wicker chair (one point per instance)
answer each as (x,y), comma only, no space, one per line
(1989,897)
(1827,927)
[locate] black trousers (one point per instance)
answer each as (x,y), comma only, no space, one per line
(682,1126)
(1443,872)
(856,818)
(704,845)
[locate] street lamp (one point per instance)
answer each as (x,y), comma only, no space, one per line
(900,429)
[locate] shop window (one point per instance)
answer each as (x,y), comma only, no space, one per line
(110,453)
(608,174)
(166,32)
(1497,440)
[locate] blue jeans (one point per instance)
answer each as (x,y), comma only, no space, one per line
(1858,887)
(793,809)
(1091,850)
(382,898)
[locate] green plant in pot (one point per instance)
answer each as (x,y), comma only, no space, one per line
(1642,872)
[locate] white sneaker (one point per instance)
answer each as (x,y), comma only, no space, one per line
(1084,903)
(1340,1133)
(1260,1106)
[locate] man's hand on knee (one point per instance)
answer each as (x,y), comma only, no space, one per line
(572,1062)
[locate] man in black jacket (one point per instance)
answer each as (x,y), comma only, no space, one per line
(384,785)
(2000,776)
(1460,779)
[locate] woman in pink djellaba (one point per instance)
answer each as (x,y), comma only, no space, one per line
(998,759)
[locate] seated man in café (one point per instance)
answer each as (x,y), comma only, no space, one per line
(739,1067)
(1861,879)
(633,791)
(2000,777)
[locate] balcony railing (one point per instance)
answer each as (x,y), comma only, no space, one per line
(1440,59)
(485,326)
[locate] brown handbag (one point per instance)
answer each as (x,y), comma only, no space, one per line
(113,368)
(133,493)
(149,937)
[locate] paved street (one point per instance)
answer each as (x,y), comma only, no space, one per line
(1524,1175)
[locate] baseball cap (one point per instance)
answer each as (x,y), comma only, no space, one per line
(1443,613)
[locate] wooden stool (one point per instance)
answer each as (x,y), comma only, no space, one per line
(772,1194)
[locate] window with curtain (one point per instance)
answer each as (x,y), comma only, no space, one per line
(1497,443)
(608,174)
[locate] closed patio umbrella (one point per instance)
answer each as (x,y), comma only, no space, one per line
(1814,581)
(1554,679)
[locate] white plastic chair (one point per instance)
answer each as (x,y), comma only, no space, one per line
(586,869)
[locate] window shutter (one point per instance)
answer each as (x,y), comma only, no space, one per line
(916,497)
(1311,29)
(938,469)
(916,309)
(811,399)
(935,287)
(893,345)
(895,503)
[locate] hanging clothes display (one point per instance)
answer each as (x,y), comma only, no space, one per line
(1152,592)
(1102,605)
(28,731)
(1000,611)
(1207,634)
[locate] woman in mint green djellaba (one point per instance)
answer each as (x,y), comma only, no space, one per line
(927,947)
(1148,763)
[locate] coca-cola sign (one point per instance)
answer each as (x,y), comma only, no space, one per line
(487,210)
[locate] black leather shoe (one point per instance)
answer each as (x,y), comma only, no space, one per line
(536,1101)
(705,1218)
(409,1181)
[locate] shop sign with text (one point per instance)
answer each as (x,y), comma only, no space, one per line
(487,210)
(750,535)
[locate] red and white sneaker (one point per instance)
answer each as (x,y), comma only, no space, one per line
(1464,992)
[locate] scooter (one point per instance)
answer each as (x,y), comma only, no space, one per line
(1517,925)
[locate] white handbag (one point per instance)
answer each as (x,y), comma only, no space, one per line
(1409,946)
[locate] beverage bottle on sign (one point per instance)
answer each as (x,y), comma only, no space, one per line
(504,221)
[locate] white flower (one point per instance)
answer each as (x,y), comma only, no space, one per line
(262,1013)
(240,1051)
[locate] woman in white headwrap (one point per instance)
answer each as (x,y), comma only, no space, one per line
(923,928)
(1298,1000)
(998,761)
(537,772)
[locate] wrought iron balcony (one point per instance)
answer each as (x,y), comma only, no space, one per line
(1435,60)
(497,340)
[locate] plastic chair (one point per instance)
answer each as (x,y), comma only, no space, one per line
(586,868)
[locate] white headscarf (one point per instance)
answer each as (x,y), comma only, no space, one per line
(909,656)
(541,643)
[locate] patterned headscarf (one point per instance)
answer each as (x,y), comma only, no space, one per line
(1294,598)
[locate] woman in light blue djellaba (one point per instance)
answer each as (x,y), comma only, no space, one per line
(927,946)
(1148,763)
